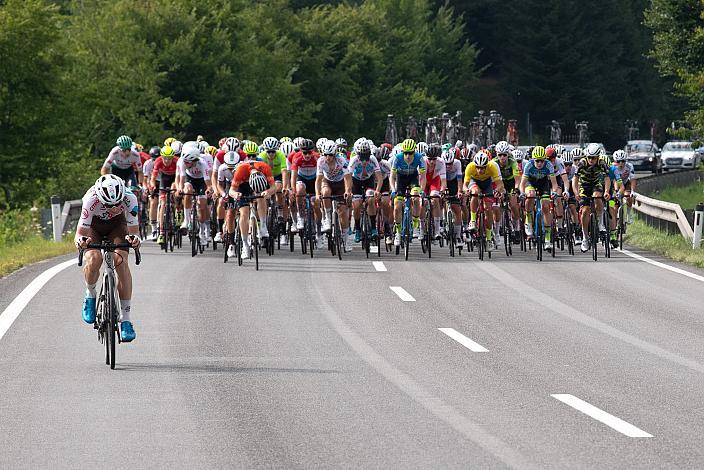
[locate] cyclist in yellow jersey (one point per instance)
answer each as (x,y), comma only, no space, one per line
(480,176)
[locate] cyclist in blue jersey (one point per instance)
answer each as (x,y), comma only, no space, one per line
(539,181)
(407,171)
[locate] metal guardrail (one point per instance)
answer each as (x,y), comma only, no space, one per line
(664,215)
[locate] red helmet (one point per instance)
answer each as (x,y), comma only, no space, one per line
(551,152)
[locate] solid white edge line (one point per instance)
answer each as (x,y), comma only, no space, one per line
(379,266)
(663,265)
(403,295)
(600,415)
(463,340)
(12,311)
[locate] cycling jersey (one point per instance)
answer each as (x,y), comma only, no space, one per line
(626,172)
(439,170)
(117,160)
(385,167)
(224,173)
(591,175)
(453,171)
(305,169)
(198,171)
(161,168)
(148,167)
(533,173)
(559,166)
(209,161)
(93,208)
(277,163)
(334,172)
(243,170)
(490,172)
(363,170)
(402,167)
(510,171)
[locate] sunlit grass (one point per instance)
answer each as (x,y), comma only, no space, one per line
(31,250)
(672,246)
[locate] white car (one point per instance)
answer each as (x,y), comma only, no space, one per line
(679,155)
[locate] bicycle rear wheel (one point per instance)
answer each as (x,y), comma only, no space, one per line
(406,237)
(337,234)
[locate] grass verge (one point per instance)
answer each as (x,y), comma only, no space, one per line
(686,196)
(672,246)
(30,250)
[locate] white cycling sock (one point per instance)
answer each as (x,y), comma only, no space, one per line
(187,215)
(458,230)
(585,236)
(126,305)
(90,291)
(437,224)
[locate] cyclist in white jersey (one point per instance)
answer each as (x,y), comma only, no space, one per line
(124,162)
(194,178)
(333,179)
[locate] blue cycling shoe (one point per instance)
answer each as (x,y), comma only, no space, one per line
(89,309)
(127,333)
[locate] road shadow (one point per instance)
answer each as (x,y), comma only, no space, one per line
(218,368)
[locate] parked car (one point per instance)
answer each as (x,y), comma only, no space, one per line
(644,155)
(679,155)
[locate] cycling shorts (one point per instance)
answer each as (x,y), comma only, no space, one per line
(128,175)
(359,187)
(541,188)
(308,183)
(405,182)
(198,185)
(114,230)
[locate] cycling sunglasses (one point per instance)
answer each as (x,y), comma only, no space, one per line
(305,152)
(408,153)
(481,167)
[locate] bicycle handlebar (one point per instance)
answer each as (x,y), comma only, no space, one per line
(109,246)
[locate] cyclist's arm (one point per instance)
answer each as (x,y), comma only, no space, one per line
(392,180)
(285,179)
(214,175)
(565,180)
(575,184)
(422,179)
(294,180)
(553,182)
(524,183)
(348,183)
(318,185)
(443,183)
(379,179)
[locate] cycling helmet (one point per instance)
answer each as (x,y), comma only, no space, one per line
(592,150)
(211,150)
(251,148)
(124,142)
(551,152)
(307,145)
(177,146)
(319,143)
(330,148)
(481,159)
(167,151)
(154,152)
(472,148)
(169,140)
(109,189)
(298,141)
(559,149)
(232,144)
(383,152)
(192,155)
(422,148)
(447,156)
(538,153)
(619,156)
(190,145)
(567,158)
(502,148)
(511,148)
(435,151)
(231,159)
(408,145)
(200,139)
(287,147)
(459,144)
(517,155)
(138,147)
(258,182)
(341,142)
(270,144)
(221,142)
(285,139)
(466,154)
(446,146)
(576,153)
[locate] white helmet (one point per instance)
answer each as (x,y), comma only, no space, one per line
(593,150)
(232,144)
(341,142)
(319,143)
(576,153)
(190,145)
(298,141)
(472,149)
(619,156)
(258,182)
(502,147)
(567,157)
(231,159)
(448,156)
(517,155)
(109,189)
(481,159)
(192,155)
(511,148)
(328,147)
(459,144)
(287,148)
(559,149)
(422,148)
(177,146)
(270,143)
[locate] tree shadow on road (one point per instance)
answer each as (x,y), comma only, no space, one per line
(219,369)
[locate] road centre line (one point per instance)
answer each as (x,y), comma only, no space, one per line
(463,340)
(403,295)
(663,265)
(12,311)
(600,415)
(379,266)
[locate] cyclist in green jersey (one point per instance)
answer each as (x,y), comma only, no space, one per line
(276,159)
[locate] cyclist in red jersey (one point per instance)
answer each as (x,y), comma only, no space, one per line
(304,166)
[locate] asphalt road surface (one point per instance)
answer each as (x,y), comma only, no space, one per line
(448,363)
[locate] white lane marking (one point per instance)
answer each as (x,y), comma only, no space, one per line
(463,340)
(403,295)
(600,415)
(12,311)
(453,417)
(379,265)
(663,265)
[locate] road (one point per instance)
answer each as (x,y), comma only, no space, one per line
(507,363)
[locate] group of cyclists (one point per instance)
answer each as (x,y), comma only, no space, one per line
(386,194)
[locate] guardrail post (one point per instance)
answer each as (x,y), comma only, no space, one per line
(698,222)
(56,217)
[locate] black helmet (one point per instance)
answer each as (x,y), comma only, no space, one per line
(307,145)
(154,152)
(434,151)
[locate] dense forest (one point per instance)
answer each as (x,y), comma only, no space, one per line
(77,73)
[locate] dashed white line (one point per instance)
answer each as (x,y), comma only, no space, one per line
(10,314)
(663,265)
(463,340)
(379,266)
(600,415)
(402,294)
